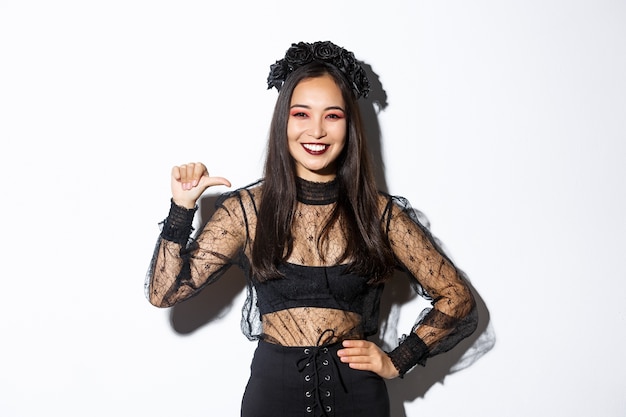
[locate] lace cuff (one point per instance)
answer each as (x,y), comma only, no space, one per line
(410,352)
(177,226)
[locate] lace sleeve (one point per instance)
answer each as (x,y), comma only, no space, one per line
(453,314)
(182,266)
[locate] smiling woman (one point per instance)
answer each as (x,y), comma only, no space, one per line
(317,242)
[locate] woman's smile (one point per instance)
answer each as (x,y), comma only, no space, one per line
(315,148)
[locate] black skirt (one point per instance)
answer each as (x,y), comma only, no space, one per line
(310,382)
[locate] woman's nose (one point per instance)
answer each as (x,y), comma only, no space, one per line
(317,130)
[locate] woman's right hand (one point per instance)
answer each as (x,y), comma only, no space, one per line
(189,181)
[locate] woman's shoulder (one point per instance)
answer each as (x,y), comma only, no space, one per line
(392,202)
(242,196)
(393,205)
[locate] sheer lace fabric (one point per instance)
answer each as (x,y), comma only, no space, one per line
(310,326)
(316,302)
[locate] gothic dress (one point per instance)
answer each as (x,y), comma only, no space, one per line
(300,320)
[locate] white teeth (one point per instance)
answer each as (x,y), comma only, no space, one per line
(314,147)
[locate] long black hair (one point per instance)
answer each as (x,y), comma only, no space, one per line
(358,205)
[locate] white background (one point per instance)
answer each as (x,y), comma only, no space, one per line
(505,124)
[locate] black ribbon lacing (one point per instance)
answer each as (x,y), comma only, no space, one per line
(312,356)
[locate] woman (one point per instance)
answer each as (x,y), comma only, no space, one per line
(317,242)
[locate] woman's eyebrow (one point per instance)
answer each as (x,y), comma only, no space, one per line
(308,107)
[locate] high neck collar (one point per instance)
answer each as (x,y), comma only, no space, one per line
(317,193)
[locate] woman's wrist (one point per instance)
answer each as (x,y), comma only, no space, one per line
(178,225)
(410,352)
(186,204)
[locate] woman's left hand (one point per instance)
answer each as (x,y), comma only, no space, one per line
(367,356)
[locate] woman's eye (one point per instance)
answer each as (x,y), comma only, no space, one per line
(298,114)
(335,116)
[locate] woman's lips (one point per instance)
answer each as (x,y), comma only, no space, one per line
(315,148)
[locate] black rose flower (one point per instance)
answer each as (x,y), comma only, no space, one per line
(347,62)
(298,55)
(361,83)
(325,51)
(278,73)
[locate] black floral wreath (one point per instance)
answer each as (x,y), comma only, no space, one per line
(302,53)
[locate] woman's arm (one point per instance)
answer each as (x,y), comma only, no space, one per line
(453,315)
(180,266)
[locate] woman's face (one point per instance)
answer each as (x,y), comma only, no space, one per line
(316,128)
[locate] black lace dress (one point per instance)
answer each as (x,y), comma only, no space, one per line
(305,315)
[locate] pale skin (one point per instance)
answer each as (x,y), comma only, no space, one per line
(316,118)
